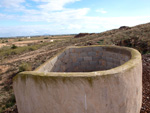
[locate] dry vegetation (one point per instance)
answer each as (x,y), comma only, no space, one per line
(14,60)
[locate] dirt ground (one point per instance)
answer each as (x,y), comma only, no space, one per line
(136,37)
(10,67)
(2,45)
(146,86)
(25,41)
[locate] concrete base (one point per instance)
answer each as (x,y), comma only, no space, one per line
(116,90)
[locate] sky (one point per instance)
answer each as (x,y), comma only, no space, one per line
(42,17)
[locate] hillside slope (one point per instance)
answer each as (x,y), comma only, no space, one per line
(137,37)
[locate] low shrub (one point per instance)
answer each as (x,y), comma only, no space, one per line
(13,46)
(46,38)
(6,51)
(25,67)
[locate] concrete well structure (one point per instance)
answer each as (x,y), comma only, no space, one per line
(93,79)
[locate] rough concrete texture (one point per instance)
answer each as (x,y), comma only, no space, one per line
(86,59)
(115,90)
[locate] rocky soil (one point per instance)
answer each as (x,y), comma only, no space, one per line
(146,84)
(146,88)
(136,37)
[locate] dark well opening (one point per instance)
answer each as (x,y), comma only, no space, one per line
(88,59)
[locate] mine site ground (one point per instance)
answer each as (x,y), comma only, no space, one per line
(27,53)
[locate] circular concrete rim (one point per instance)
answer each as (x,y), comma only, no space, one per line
(135,59)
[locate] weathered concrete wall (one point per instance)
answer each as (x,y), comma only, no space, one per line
(117,90)
(87,59)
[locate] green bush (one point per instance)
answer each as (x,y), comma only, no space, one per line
(13,46)
(46,38)
(100,42)
(25,67)
(19,40)
(11,101)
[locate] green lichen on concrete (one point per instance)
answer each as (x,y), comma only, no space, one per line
(46,80)
(64,79)
(90,81)
(37,78)
(22,76)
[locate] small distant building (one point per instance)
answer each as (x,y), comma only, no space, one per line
(28,37)
(51,40)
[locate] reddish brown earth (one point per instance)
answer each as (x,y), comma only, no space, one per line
(136,37)
(146,87)
(146,84)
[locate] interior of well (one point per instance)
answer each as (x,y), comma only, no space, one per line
(87,59)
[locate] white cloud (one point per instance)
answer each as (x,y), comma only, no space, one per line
(101,11)
(5,16)
(11,3)
(70,25)
(53,5)
(26,30)
(60,19)
(106,23)
(74,26)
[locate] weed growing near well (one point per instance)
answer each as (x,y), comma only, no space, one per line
(25,67)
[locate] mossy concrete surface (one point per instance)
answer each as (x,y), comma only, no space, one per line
(114,90)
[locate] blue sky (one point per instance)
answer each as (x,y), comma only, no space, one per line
(39,17)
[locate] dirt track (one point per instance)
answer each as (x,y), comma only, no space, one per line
(146,78)
(41,55)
